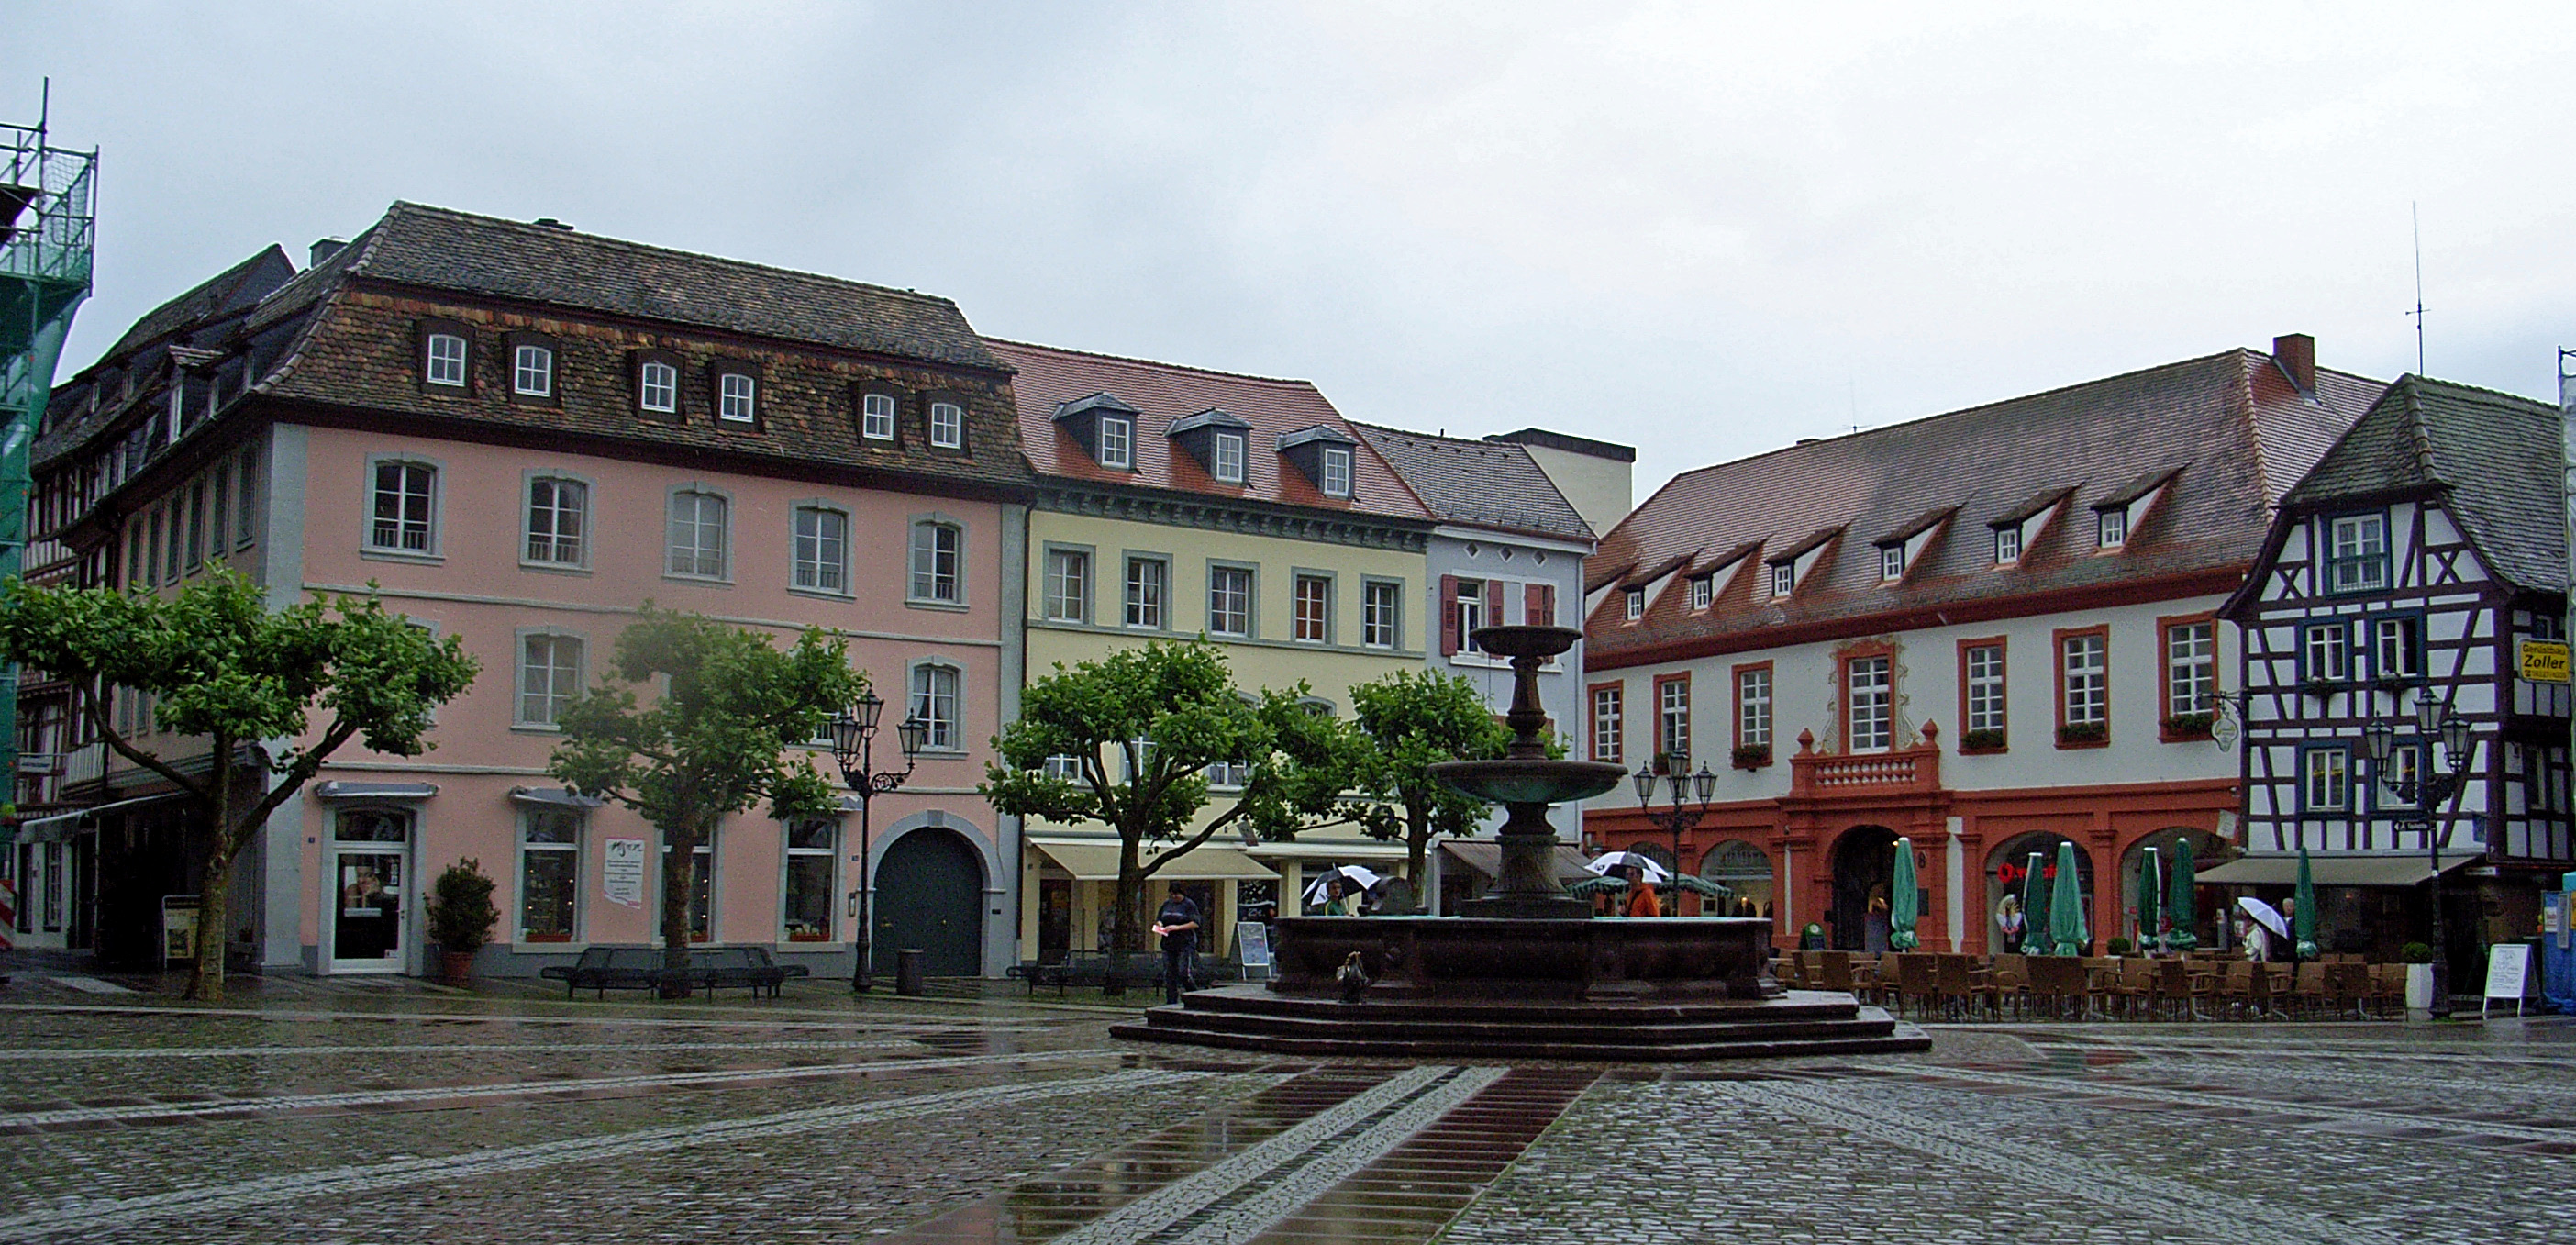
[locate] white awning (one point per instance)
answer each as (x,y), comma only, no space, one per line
(1485,856)
(559,797)
(61,826)
(1096,861)
(2326,871)
(374,790)
(1332,850)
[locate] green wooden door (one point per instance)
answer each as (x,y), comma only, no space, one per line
(930,896)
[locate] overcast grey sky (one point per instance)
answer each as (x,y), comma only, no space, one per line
(1702,230)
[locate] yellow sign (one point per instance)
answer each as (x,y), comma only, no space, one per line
(2543,661)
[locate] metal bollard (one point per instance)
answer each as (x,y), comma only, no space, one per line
(909,970)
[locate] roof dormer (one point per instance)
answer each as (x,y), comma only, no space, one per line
(2017,528)
(1104,426)
(1324,454)
(2117,516)
(1219,441)
(1796,564)
(1900,551)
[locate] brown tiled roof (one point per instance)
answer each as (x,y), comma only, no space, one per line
(2230,429)
(1161,393)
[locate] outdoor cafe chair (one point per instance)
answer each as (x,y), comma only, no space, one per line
(2173,986)
(2135,987)
(2388,988)
(1955,984)
(2101,981)
(1915,985)
(2308,988)
(2059,979)
(1834,971)
(2348,985)
(2008,977)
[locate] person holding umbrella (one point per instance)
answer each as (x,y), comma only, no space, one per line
(1642,900)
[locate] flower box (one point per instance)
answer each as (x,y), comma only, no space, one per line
(2083,734)
(1989,739)
(1752,756)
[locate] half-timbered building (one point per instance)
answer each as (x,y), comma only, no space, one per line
(2423,558)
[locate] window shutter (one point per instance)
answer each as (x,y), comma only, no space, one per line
(1539,604)
(1448,615)
(1493,602)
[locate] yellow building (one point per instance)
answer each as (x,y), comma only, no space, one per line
(1174,503)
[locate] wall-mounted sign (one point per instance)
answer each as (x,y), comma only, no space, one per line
(621,872)
(2542,661)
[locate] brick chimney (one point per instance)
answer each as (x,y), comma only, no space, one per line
(2297,355)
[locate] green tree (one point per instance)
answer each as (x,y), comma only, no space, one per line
(1167,711)
(240,682)
(1410,720)
(710,745)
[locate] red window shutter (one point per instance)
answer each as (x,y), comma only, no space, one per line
(1493,602)
(1539,604)
(1448,606)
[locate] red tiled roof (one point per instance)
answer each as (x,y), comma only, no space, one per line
(1161,393)
(2230,429)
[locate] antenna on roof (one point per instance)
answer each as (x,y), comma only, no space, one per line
(2418,219)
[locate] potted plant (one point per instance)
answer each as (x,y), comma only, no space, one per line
(1752,756)
(1983,739)
(2117,946)
(2082,733)
(2419,975)
(461,917)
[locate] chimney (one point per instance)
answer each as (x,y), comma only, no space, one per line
(2297,355)
(323,250)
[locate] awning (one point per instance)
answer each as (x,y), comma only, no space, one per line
(558,797)
(2326,871)
(1335,850)
(1095,861)
(61,826)
(375,790)
(1486,857)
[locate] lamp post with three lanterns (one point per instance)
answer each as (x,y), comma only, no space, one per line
(2423,790)
(854,730)
(1680,818)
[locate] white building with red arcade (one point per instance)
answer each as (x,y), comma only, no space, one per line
(1986,632)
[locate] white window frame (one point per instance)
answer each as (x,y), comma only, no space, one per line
(2084,679)
(562,680)
(1230,600)
(1784,578)
(697,549)
(1609,729)
(2111,527)
(737,397)
(551,548)
(1984,665)
(1891,562)
(443,361)
(2008,546)
(1066,584)
(1225,457)
(1469,606)
(829,856)
(924,696)
(403,522)
(876,416)
(1634,604)
(2191,668)
(1146,601)
(2357,553)
(530,848)
(1703,591)
(947,426)
(1869,693)
(657,387)
(2325,652)
(2397,647)
(1381,613)
(532,370)
(1753,707)
(1672,717)
(2325,779)
(820,556)
(936,576)
(1336,480)
(1117,440)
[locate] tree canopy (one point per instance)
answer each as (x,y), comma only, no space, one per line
(1410,720)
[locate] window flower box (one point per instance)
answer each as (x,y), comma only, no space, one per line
(1752,756)
(2189,725)
(806,933)
(1989,739)
(2083,734)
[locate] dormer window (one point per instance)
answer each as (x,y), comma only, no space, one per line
(1337,472)
(657,383)
(1703,591)
(1220,443)
(1225,457)
(947,425)
(2007,545)
(736,397)
(1117,441)
(444,360)
(2112,526)
(876,416)
(1323,455)
(532,371)
(1636,604)
(1784,578)
(1891,562)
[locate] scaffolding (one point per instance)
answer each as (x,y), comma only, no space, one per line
(48,230)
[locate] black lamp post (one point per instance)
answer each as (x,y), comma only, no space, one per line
(2425,791)
(1681,817)
(854,730)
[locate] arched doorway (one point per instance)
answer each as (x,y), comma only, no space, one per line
(2007,866)
(1864,862)
(930,897)
(1744,869)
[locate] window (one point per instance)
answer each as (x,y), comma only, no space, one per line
(1891,562)
(1636,603)
(697,535)
(807,904)
(1148,579)
(876,416)
(557,514)
(549,874)
(1226,459)
(2112,527)
(1068,585)
(549,677)
(219,523)
(1311,609)
(402,507)
(1753,707)
(1467,606)
(242,517)
(657,387)
(532,371)
(2357,553)
(934,561)
(1337,471)
(1672,713)
(1380,623)
(445,360)
(1868,693)
(702,889)
(136,572)
(1062,767)
(1784,578)
(735,394)
(2007,545)
(2086,689)
(1229,601)
(2328,781)
(947,425)
(152,564)
(1984,678)
(2404,767)
(1229,774)
(1703,591)
(934,701)
(2399,648)
(1607,726)
(196,526)
(1116,449)
(2327,648)
(2191,668)
(822,549)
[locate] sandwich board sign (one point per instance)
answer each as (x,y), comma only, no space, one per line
(1253,942)
(2508,975)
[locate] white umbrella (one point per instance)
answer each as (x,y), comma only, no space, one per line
(1357,877)
(2265,915)
(1607,861)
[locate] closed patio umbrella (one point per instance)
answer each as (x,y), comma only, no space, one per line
(1902,909)
(2179,902)
(2034,906)
(2150,883)
(2303,923)
(2066,906)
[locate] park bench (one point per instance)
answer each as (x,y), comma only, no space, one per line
(751,968)
(1090,970)
(603,969)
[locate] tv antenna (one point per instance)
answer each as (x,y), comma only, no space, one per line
(2414,215)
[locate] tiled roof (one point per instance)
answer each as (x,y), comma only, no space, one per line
(209,313)
(448,250)
(1478,483)
(2230,428)
(2495,454)
(1163,393)
(230,290)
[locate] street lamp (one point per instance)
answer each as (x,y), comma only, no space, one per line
(2423,791)
(1680,818)
(854,730)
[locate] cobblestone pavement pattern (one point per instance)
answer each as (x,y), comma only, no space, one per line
(331,1112)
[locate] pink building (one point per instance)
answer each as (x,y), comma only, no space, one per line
(519,434)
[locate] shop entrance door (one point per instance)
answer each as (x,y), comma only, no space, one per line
(371,890)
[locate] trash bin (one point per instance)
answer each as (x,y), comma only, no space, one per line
(909,969)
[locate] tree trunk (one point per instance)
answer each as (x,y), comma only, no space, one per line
(214,897)
(1417,855)
(1131,899)
(679,882)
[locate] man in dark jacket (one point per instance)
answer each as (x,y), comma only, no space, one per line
(1178,923)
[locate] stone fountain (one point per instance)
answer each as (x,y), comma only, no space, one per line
(1525,971)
